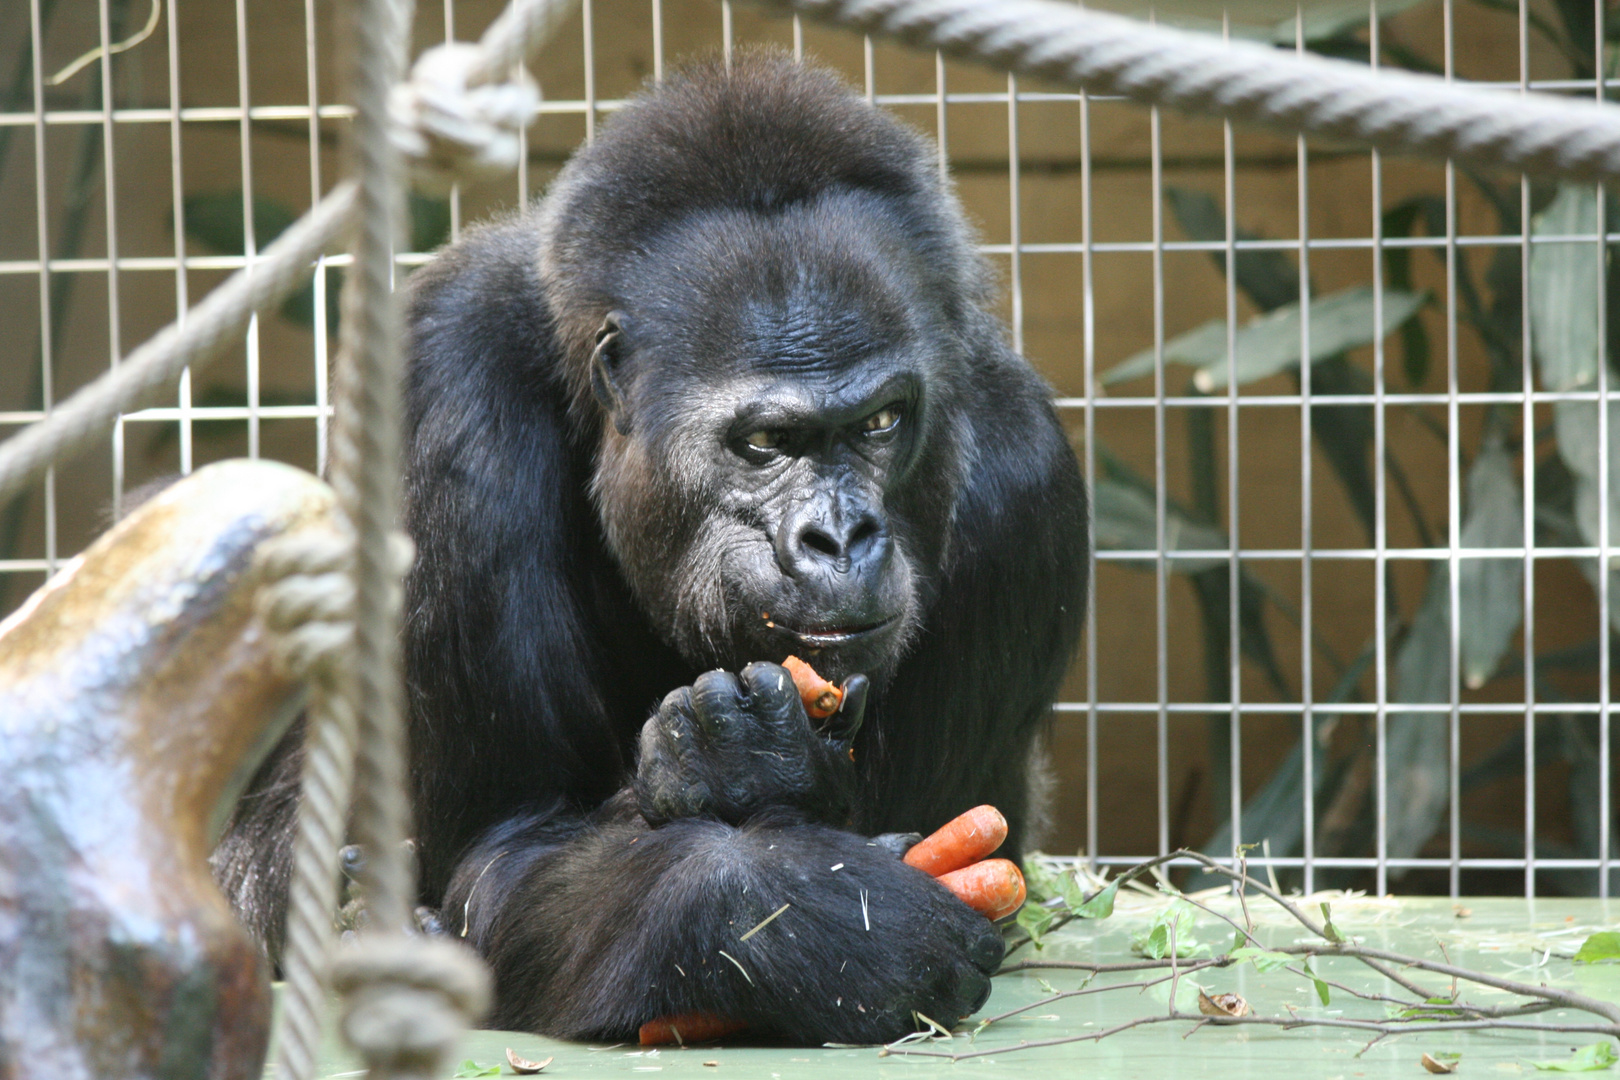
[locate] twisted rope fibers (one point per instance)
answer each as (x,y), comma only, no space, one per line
(1395,111)
(152,370)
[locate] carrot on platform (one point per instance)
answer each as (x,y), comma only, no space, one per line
(962,841)
(688,1028)
(994,887)
(821,698)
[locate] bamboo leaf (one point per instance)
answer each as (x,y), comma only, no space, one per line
(1576,426)
(1564,281)
(1400,220)
(1417,741)
(1268,277)
(1125,520)
(214,220)
(1490,592)
(1271,343)
(1324,22)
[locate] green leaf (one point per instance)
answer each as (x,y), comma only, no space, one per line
(1400,220)
(1576,425)
(1604,945)
(1035,921)
(1267,276)
(1270,344)
(470,1068)
(1418,742)
(1125,520)
(1345,433)
(214,220)
(299,308)
(1321,987)
(1154,943)
(430,222)
(1040,882)
(1333,19)
(1333,933)
(1490,592)
(1264,960)
(1564,296)
(1598,1055)
(1100,906)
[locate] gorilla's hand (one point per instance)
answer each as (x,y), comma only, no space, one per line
(732,746)
(920,950)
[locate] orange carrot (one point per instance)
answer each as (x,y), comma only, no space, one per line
(687,1028)
(960,842)
(821,698)
(994,887)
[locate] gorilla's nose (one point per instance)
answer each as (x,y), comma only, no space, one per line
(815,540)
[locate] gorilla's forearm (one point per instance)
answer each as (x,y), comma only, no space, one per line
(594,927)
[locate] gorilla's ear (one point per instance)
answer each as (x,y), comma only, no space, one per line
(605,370)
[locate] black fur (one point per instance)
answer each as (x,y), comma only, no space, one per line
(591,536)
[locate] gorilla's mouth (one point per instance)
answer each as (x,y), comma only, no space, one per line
(822,637)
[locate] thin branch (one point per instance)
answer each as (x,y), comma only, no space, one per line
(1382,1029)
(1067,917)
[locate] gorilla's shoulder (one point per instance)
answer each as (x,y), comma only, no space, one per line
(486,281)
(476,316)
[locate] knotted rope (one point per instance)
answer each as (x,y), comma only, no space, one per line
(1156,65)
(455,119)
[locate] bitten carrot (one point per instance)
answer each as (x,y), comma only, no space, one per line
(821,698)
(962,841)
(994,887)
(687,1028)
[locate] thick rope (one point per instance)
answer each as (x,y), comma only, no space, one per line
(366,442)
(308,602)
(405,1000)
(461,115)
(151,371)
(1198,73)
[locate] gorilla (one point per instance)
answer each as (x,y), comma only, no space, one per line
(731,391)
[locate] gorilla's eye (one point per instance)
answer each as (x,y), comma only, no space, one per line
(765,440)
(883,421)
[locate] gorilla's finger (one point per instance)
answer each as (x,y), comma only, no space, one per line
(852,713)
(716,699)
(676,702)
(772,696)
(896,843)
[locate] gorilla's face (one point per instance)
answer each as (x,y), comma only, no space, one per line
(777,477)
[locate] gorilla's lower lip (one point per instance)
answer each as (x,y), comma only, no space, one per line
(823,636)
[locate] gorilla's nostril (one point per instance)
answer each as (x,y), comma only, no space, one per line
(817,540)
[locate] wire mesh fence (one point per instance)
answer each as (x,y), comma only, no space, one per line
(1342,415)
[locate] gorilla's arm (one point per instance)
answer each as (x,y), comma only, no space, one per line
(594,926)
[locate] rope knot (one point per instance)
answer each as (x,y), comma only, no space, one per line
(307,599)
(449,127)
(407,999)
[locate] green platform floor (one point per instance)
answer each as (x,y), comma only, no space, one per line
(1525,940)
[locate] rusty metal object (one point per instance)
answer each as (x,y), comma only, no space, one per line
(137,695)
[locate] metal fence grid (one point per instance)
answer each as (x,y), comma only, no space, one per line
(63,267)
